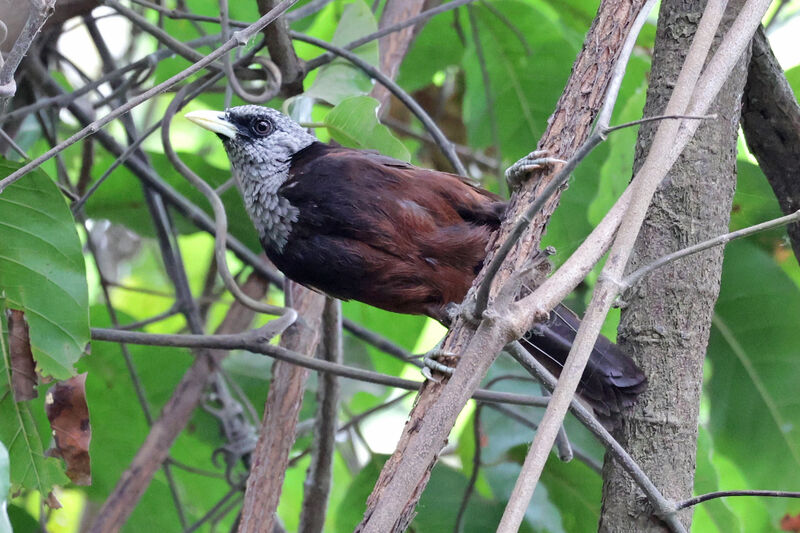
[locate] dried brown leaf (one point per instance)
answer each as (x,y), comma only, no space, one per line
(68,414)
(23,368)
(790,523)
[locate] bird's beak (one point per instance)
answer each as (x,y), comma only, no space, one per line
(214,121)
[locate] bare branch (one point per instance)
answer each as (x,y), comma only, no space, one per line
(254,341)
(279,426)
(239,38)
(636,275)
(727,493)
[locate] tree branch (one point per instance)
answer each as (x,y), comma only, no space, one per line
(391,504)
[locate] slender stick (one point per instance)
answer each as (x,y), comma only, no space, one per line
(256,341)
(636,275)
(40,10)
(239,38)
(598,136)
(726,493)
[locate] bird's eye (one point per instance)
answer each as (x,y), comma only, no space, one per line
(262,127)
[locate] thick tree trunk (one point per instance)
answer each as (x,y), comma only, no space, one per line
(667,320)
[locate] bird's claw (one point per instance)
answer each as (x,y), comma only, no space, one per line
(430,362)
(518,173)
(464,311)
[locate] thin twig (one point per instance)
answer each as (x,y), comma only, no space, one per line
(239,38)
(40,11)
(317,486)
(726,493)
(636,275)
(254,341)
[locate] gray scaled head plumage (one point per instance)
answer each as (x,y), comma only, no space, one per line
(260,143)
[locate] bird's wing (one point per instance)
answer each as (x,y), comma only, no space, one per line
(415,238)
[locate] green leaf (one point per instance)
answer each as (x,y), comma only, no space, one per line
(714,514)
(5,488)
(754,201)
(42,270)
(340,79)
(435,48)
(354,123)
(352,506)
(753,385)
(574,489)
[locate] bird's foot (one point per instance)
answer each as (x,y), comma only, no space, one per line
(518,173)
(430,362)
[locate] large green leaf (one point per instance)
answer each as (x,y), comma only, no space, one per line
(575,490)
(42,271)
(714,515)
(525,86)
(755,408)
(435,48)
(715,472)
(354,122)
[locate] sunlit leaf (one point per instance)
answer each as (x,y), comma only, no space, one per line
(753,387)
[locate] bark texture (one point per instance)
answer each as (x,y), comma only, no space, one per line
(667,320)
(279,426)
(771,124)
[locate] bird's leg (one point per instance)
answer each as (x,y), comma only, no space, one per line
(430,363)
(518,173)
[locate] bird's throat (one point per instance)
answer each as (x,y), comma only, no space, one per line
(272,214)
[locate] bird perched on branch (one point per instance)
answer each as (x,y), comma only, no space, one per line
(358,225)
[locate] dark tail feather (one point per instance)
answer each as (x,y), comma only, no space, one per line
(611,381)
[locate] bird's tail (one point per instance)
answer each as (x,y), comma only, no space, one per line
(611,380)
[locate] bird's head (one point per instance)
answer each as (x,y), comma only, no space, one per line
(259,141)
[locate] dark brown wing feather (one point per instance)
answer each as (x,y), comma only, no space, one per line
(378,230)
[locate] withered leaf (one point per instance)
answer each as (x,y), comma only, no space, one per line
(790,523)
(69,419)
(23,368)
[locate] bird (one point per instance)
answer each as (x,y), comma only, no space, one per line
(358,225)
